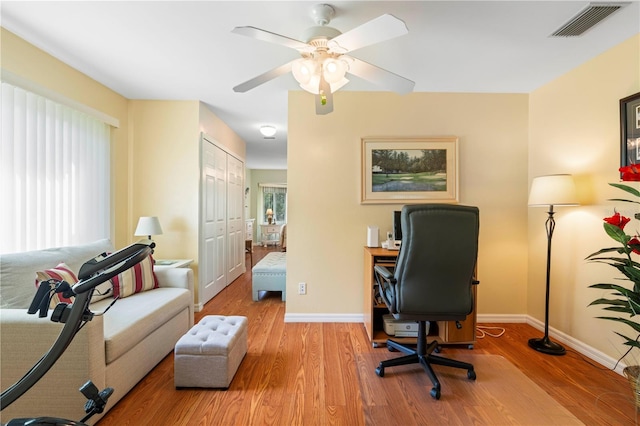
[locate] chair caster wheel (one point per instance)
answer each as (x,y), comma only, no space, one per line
(380,371)
(471,374)
(391,348)
(438,349)
(435,393)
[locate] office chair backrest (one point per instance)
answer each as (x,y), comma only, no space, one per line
(436,263)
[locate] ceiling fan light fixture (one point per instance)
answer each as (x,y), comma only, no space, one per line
(303,70)
(314,85)
(334,70)
(268,131)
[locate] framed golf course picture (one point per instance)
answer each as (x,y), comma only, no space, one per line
(409,170)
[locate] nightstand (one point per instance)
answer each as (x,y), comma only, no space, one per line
(270,233)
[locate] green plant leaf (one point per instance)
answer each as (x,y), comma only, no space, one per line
(616,233)
(629,189)
(633,273)
(615,261)
(628,322)
(617,288)
(603,301)
(630,341)
(624,201)
(605,250)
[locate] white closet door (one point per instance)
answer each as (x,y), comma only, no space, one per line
(213,222)
(235,222)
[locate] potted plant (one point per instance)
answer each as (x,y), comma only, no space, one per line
(623,298)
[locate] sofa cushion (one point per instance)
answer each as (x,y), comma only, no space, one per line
(136,279)
(132,319)
(59,273)
(17,269)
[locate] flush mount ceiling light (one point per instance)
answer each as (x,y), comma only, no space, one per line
(268,131)
(324,62)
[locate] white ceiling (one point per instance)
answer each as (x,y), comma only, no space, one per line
(179,50)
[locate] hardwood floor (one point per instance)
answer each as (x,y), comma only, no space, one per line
(312,374)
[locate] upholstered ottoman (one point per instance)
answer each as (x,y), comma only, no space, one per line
(270,274)
(209,355)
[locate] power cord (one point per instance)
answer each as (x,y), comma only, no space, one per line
(483,330)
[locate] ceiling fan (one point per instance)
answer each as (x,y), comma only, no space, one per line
(324,61)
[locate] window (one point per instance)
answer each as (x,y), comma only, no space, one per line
(54,163)
(274,197)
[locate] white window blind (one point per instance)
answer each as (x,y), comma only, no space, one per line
(272,196)
(54,188)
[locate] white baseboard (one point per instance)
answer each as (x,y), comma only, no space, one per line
(506,318)
(580,347)
(558,336)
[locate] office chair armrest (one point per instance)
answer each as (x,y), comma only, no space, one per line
(384,273)
(385,280)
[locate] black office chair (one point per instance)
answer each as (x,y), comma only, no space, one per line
(432,279)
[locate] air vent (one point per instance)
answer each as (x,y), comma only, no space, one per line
(586,19)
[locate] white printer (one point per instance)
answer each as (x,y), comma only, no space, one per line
(400,328)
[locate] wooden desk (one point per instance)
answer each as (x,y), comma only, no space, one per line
(443,331)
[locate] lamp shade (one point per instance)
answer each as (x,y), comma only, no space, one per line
(269,212)
(553,190)
(148,225)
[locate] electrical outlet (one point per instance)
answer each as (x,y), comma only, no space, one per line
(302,288)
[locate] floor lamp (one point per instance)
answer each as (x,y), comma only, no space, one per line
(551,190)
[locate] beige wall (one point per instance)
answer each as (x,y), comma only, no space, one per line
(166,169)
(31,63)
(575,128)
(327,224)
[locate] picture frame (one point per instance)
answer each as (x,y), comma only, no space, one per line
(409,170)
(630,130)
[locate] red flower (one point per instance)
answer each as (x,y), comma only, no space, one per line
(630,172)
(634,243)
(617,220)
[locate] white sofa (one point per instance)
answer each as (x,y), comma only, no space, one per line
(114,350)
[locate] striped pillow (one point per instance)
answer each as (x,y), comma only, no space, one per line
(134,280)
(59,273)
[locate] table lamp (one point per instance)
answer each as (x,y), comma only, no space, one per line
(148,225)
(269,216)
(551,190)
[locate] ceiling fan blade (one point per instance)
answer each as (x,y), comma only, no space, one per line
(381,77)
(382,28)
(264,35)
(324,99)
(263,78)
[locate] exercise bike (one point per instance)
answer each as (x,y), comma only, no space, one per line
(74,316)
